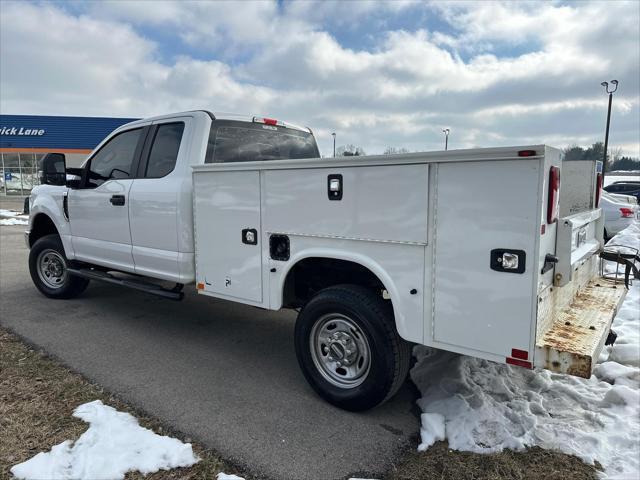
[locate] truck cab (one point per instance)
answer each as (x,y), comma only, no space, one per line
(131,206)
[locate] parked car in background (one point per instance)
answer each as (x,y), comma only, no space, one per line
(621,197)
(618,213)
(625,187)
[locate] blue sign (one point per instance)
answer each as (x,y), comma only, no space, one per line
(7,176)
(56,133)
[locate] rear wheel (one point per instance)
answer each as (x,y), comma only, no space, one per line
(48,268)
(348,347)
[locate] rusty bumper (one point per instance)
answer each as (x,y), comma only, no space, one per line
(578,333)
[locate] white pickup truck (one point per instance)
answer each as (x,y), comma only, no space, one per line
(473,251)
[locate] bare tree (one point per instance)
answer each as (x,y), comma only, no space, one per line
(395,150)
(349,150)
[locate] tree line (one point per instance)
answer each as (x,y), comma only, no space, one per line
(615,161)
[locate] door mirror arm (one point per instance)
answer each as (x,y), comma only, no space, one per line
(74,178)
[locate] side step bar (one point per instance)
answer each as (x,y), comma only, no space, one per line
(175,293)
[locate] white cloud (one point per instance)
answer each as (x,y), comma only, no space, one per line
(504,73)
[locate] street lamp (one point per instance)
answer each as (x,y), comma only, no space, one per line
(446,137)
(606,133)
(334,143)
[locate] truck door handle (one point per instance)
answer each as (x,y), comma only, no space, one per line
(117,200)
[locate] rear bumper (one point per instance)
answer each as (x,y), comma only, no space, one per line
(575,338)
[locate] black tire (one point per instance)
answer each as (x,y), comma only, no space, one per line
(389,355)
(58,284)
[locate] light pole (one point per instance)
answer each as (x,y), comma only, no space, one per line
(606,133)
(446,138)
(334,143)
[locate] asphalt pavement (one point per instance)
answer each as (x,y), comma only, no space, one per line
(223,373)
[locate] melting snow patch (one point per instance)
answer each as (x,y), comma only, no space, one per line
(224,476)
(13,221)
(432,430)
(484,407)
(113,445)
(9,217)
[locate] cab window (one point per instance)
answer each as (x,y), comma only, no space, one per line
(164,152)
(115,159)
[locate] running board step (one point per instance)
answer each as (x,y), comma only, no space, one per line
(172,294)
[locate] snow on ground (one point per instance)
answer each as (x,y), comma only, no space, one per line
(225,476)
(484,407)
(13,221)
(9,217)
(113,444)
(12,213)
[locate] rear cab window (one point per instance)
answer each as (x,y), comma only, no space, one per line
(164,150)
(234,141)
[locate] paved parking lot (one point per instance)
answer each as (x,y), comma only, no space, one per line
(223,373)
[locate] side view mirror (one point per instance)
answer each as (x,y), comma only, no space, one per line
(74,177)
(52,169)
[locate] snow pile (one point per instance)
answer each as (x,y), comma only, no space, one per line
(484,407)
(13,221)
(113,444)
(9,217)
(432,430)
(224,476)
(627,241)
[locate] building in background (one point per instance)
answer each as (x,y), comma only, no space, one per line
(24,139)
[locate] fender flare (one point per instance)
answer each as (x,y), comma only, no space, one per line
(46,205)
(334,254)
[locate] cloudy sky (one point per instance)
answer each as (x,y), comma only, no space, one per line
(378,74)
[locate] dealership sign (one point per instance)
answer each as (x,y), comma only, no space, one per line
(21,132)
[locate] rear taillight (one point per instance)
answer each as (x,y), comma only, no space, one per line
(626,212)
(553,205)
(527,153)
(598,188)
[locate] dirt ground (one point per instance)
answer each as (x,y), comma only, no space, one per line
(38,395)
(37,398)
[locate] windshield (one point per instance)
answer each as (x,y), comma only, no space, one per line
(249,142)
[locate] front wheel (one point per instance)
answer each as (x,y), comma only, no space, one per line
(48,268)
(348,348)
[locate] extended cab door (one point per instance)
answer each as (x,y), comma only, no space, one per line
(160,208)
(99,211)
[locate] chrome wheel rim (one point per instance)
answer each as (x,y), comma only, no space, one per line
(340,350)
(52,268)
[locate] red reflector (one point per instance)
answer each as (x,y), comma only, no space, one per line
(598,188)
(521,354)
(526,153)
(553,203)
(626,212)
(200,286)
(519,363)
(270,121)
(543,228)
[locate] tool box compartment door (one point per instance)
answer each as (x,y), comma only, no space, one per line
(227,234)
